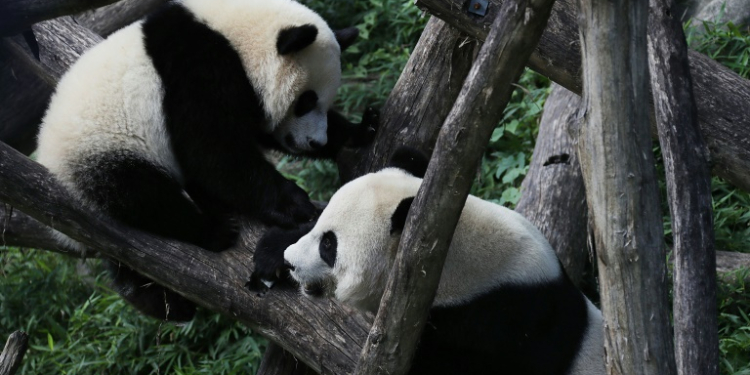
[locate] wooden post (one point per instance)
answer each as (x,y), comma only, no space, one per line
(689,192)
(553,197)
(618,171)
(432,220)
(15,348)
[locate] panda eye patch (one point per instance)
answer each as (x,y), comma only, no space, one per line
(305,103)
(328,248)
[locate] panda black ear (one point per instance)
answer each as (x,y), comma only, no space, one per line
(346,37)
(296,38)
(398,219)
(410,160)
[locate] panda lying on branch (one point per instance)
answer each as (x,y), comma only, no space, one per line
(503,306)
(163,125)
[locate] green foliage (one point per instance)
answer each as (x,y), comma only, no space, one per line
(78,326)
(723,42)
(734,325)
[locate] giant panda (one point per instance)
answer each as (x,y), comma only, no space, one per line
(164,124)
(503,306)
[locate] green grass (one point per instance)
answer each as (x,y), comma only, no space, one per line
(76,325)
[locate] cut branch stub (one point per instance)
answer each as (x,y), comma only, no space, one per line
(15,348)
(436,209)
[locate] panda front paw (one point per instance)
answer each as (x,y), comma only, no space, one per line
(367,129)
(269,266)
(292,207)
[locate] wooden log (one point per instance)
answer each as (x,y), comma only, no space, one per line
(110,18)
(721,95)
(553,197)
(614,148)
(61,42)
(437,206)
(688,181)
(18,15)
(321,332)
(15,348)
(420,100)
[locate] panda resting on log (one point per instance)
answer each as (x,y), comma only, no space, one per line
(504,305)
(163,125)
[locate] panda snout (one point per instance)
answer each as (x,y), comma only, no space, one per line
(315,145)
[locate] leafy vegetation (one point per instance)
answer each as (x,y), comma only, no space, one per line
(79,326)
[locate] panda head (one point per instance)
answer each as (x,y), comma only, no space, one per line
(349,252)
(292,59)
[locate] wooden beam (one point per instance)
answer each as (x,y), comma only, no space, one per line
(15,348)
(615,151)
(688,181)
(438,204)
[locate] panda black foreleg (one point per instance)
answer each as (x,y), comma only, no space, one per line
(148,297)
(144,196)
(342,133)
(269,265)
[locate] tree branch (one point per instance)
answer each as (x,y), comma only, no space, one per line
(437,206)
(15,348)
(321,332)
(720,94)
(108,19)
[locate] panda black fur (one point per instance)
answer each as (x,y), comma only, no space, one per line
(503,306)
(163,124)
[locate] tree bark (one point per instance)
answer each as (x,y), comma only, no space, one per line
(23,95)
(108,19)
(420,100)
(721,95)
(437,206)
(61,42)
(18,15)
(689,192)
(15,348)
(553,196)
(321,332)
(618,171)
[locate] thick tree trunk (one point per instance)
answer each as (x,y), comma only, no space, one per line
(618,170)
(438,204)
(553,195)
(721,95)
(689,192)
(15,348)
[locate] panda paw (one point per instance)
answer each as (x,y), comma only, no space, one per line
(367,129)
(269,265)
(293,207)
(221,233)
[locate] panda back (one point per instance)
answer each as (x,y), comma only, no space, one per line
(110,99)
(494,246)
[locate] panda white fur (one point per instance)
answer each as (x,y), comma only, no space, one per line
(163,125)
(503,306)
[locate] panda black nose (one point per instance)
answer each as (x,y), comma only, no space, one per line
(288,265)
(315,145)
